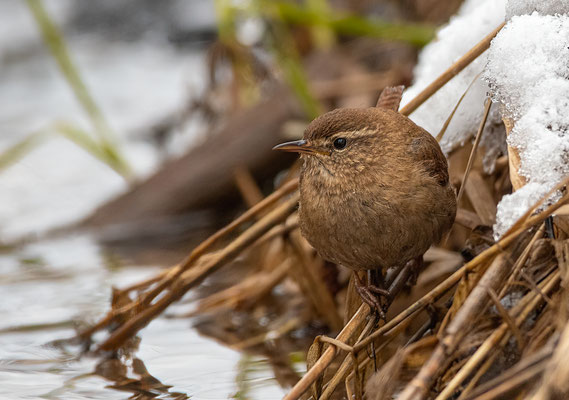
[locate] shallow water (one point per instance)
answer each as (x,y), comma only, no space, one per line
(49,288)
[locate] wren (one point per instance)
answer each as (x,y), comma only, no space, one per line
(374,189)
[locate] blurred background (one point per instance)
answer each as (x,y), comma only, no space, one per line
(133,129)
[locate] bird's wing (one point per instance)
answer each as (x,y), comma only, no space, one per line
(426,150)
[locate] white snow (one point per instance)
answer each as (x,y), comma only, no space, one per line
(528,71)
(474,21)
(543,7)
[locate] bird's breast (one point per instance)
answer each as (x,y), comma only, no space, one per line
(373,226)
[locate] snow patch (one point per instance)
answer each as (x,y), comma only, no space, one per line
(528,73)
(543,7)
(474,21)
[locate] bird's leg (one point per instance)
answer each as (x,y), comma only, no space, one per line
(376,283)
(407,275)
(392,273)
(428,325)
(379,288)
(368,296)
(416,265)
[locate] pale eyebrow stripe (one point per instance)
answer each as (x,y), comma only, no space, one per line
(367,134)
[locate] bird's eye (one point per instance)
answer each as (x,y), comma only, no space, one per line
(340,143)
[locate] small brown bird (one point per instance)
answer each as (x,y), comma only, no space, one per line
(374,189)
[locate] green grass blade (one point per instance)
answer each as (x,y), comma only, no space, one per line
(56,44)
(17,151)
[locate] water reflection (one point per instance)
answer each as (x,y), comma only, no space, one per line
(143,386)
(53,287)
(50,288)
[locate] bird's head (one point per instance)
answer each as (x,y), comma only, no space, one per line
(343,142)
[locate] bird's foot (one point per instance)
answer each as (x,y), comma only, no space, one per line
(372,296)
(374,292)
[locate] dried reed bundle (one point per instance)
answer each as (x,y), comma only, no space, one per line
(496,325)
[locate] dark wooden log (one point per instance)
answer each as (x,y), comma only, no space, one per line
(205,175)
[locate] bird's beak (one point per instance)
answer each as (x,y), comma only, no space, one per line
(297,146)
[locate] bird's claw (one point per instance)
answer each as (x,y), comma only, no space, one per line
(371,295)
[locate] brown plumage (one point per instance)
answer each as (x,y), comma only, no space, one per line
(374,188)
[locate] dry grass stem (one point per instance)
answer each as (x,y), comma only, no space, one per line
(451,72)
(556,376)
(328,356)
(449,119)
(346,365)
(455,332)
(250,290)
(487,106)
(167,277)
(195,276)
(521,261)
(455,327)
(498,337)
(306,272)
(247,186)
(518,375)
